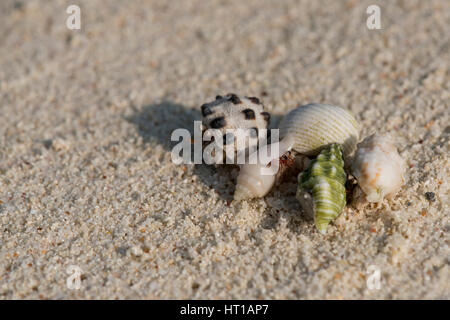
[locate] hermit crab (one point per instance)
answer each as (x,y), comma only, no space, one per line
(304,131)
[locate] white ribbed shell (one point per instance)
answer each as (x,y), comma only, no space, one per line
(315,125)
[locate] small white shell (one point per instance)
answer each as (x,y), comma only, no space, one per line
(314,126)
(252,182)
(378,167)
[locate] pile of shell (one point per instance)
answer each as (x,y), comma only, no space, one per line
(327,132)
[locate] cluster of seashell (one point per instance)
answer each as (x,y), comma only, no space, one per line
(328,132)
(305,130)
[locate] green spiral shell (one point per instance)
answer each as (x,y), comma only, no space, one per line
(321,187)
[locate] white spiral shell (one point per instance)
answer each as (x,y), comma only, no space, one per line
(378,167)
(314,126)
(255,180)
(251,183)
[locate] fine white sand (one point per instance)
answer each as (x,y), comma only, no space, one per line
(86,177)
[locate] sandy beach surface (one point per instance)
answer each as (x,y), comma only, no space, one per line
(92,207)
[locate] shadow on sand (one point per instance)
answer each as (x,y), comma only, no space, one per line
(156,122)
